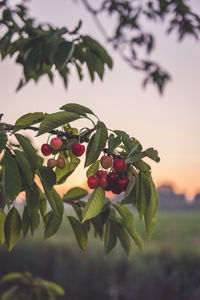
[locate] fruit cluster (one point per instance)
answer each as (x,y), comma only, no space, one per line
(114,180)
(55,147)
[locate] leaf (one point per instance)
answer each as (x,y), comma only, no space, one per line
(153,154)
(12,228)
(92,170)
(32,198)
(130,186)
(54,288)
(75,193)
(124,240)
(135,157)
(98,226)
(53,223)
(144,193)
(25,167)
(64,53)
(12,277)
(28,120)
(77,109)
(55,120)
(11,293)
(113,142)
(3,141)
(34,220)
(79,231)
(2,221)
(94,204)
(48,176)
(142,166)
(110,237)
(11,177)
(25,221)
(30,151)
(128,142)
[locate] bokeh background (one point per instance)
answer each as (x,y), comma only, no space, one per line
(170,123)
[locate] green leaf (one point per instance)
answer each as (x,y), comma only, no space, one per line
(92,170)
(3,141)
(130,186)
(128,142)
(98,226)
(77,109)
(11,177)
(25,167)
(34,220)
(25,221)
(12,277)
(32,198)
(58,201)
(94,204)
(55,120)
(54,288)
(144,193)
(30,151)
(64,53)
(124,240)
(79,231)
(53,223)
(48,176)
(142,166)
(153,154)
(135,157)
(75,193)
(113,142)
(2,221)
(110,237)
(11,293)
(28,120)
(12,228)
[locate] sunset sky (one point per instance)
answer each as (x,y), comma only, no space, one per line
(170,123)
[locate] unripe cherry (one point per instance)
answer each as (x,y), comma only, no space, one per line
(101,173)
(123,183)
(77,149)
(56,143)
(51,163)
(60,163)
(106,162)
(92,182)
(46,149)
(119,165)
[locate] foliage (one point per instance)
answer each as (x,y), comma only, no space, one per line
(42,48)
(23,170)
(21,286)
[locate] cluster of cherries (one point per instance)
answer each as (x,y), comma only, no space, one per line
(55,147)
(112,181)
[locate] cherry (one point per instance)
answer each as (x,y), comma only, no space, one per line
(119,165)
(46,149)
(123,183)
(60,163)
(103,182)
(77,149)
(101,173)
(106,162)
(116,189)
(56,143)
(51,163)
(93,182)
(112,179)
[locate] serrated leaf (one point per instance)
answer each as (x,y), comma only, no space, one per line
(79,231)
(144,193)
(135,157)
(48,176)
(124,240)
(32,198)
(34,220)
(25,221)
(11,177)
(28,120)
(2,221)
(12,228)
(94,204)
(153,154)
(77,109)
(64,53)
(98,226)
(52,225)
(3,141)
(142,166)
(110,237)
(113,142)
(130,186)
(30,151)
(127,141)
(75,193)
(55,120)
(25,167)
(92,170)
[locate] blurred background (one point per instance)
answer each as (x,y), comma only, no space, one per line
(169,267)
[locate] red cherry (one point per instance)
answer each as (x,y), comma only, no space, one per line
(60,163)
(56,143)
(123,183)
(77,149)
(112,179)
(119,165)
(92,182)
(101,173)
(51,163)
(46,149)
(106,162)
(103,182)
(116,189)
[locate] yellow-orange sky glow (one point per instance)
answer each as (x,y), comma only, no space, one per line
(169,123)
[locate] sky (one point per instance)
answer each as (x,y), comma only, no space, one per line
(169,123)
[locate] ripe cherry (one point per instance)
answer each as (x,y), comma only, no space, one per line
(123,183)
(116,189)
(119,165)
(92,182)
(51,163)
(56,143)
(103,182)
(60,163)
(101,173)
(106,162)
(112,179)
(46,149)
(77,149)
